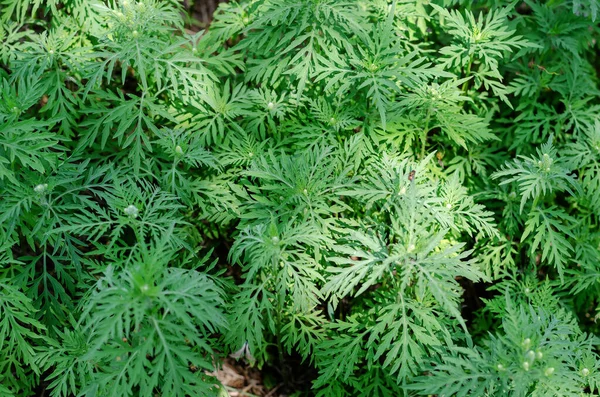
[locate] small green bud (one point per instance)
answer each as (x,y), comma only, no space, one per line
(41,188)
(526,365)
(271,105)
(131,211)
(275,240)
(178,150)
(246,20)
(530,355)
(585,372)
(526,343)
(411,248)
(549,371)
(250,154)
(194,50)
(305,192)
(500,367)
(135,33)
(448,205)
(51,52)
(145,288)
(332,120)
(539,355)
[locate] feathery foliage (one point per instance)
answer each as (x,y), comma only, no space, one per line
(404,195)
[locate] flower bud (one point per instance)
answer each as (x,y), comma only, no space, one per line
(41,188)
(549,371)
(530,355)
(131,211)
(178,150)
(585,372)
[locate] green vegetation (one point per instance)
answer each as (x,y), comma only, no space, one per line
(404,194)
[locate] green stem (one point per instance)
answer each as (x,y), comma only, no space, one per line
(424,133)
(467,74)
(280,303)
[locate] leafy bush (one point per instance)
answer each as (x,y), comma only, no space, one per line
(404,194)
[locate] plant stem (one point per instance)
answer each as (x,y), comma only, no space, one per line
(424,132)
(467,74)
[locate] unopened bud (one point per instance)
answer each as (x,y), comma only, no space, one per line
(530,355)
(585,372)
(131,210)
(41,188)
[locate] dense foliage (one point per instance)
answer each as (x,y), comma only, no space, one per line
(405,194)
